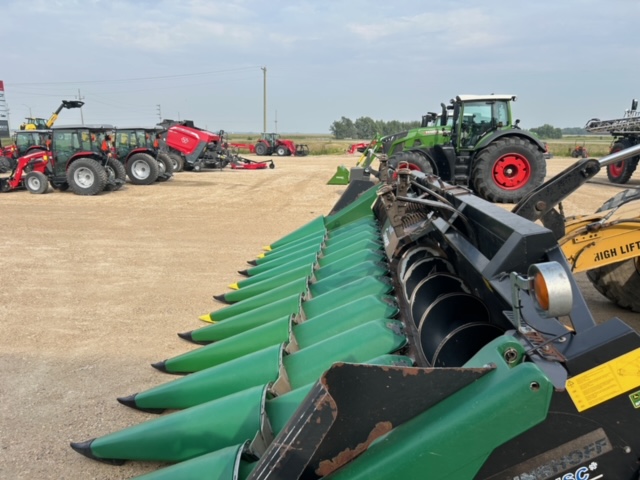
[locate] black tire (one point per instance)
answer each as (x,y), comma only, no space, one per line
(36,182)
(5,165)
(177,161)
(282,151)
(86,176)
(413,160)
(507,170)
(619,282)
(116,174)
(142,169)
(621,172)
(63,187)
(165,165)
(261,149)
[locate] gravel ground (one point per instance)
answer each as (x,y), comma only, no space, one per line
(94,290)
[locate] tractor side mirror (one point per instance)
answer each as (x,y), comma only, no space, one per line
(634,105)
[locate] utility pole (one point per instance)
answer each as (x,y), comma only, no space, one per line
(264,100)
(276,121)
(159,111)
(80,97)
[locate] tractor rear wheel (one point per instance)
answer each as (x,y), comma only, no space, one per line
(261,149)
(177,161)
(282,151)
(86,176)
(412,160)
(142,169)
(116,175)
(36,182)
(165,167)
(619,282)
(621,172)
(507,170)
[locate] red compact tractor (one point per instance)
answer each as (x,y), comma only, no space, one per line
(74,161)
(272,144)
(141,159)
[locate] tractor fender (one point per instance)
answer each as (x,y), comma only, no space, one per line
(513,132)
(102,160)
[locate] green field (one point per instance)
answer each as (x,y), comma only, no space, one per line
(324,144)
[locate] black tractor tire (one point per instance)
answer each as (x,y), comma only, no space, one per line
(63,187)
(165,165)
(177,161)
(36,183)
(619,282)
(5,165)
(282,151)
(142,169)
(116,174)
(261,149)
(413,161)
(621,172)
(507,170)
(86,176)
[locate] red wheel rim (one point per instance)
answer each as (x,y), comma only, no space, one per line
(511,171)
(616,169)
(409,165)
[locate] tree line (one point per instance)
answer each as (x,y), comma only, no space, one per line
(367,128)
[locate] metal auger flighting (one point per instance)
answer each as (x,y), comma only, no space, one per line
(438,353)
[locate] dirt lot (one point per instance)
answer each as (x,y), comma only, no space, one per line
(94,289)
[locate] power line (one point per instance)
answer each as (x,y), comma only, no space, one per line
(76,82)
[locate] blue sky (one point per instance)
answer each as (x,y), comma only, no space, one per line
(568,61)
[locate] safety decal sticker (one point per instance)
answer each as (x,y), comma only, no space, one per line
(605,381)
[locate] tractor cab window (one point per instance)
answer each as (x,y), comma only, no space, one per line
(122,138)
(479,118)
(141,140)
(85,141)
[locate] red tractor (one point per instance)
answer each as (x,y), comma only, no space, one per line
(75,161)
(138,150)
(271,143)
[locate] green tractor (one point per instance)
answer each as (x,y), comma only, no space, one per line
(474,142)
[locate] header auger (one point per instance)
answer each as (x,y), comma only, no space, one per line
(417,332)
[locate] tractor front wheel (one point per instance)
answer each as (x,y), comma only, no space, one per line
(116,175)
(261,149)
(36,182)
(86,176)
(621,172)
(619,282)
(177,161)
(282,151)
(142,169)
(412,161)
(165,167)
(507,170)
